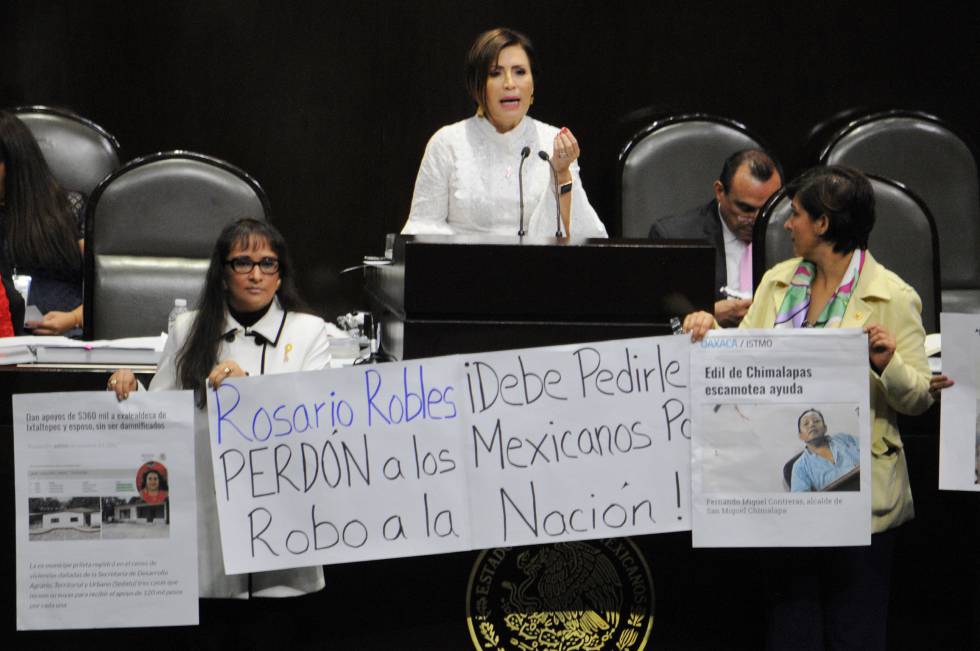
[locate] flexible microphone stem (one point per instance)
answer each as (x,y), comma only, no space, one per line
(520,185)
(554,177)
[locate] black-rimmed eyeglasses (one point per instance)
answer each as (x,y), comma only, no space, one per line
(245,264)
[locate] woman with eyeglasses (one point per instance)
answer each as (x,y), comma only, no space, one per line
(250,320)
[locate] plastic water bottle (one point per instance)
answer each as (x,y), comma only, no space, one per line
(180,306)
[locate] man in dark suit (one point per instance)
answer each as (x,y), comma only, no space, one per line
(748,178)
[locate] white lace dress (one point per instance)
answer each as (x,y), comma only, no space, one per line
(468,183)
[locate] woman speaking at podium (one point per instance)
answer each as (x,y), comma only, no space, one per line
(501,172)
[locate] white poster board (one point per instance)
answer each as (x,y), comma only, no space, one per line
(106,530)
(959,430)
(452,453)
(754,480)
(578,442)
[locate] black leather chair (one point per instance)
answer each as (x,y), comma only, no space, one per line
(79,152)
(669,166)
(151,227)
(904,239)
(820,133)
(929,157)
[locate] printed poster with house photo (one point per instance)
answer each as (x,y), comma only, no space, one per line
(137,508)
(106,525)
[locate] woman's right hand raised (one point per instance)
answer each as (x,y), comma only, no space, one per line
(122,382)
(698,324)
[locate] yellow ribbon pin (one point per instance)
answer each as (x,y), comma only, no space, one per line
(289,349)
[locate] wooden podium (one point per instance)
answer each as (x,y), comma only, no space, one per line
(452,294)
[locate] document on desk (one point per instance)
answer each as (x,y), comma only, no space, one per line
(63,350)
(116,352)
(453,453)
(106,531)
(781,439)
(959,429)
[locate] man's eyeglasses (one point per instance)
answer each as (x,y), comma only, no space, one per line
(245,264)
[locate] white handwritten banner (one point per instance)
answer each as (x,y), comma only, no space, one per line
(781,438)
(453,453)
(105,500)
(578,442)
(959,432)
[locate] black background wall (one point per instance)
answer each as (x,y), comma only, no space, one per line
(329,104)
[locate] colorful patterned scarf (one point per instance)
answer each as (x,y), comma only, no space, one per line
(792,313)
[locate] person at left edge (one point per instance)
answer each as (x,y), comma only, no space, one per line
(469,179)
(11,308)
(41,231)
(250,320)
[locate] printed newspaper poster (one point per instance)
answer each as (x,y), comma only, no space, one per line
(105,507)
(781,439)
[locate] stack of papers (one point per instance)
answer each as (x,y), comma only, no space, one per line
(62,350)
(13,351)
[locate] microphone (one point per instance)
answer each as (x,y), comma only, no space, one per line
(520,185)
(554,176)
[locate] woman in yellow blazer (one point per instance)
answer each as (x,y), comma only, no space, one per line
(886,305)
(838,597)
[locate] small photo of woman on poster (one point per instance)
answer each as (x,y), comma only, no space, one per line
(151,481)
